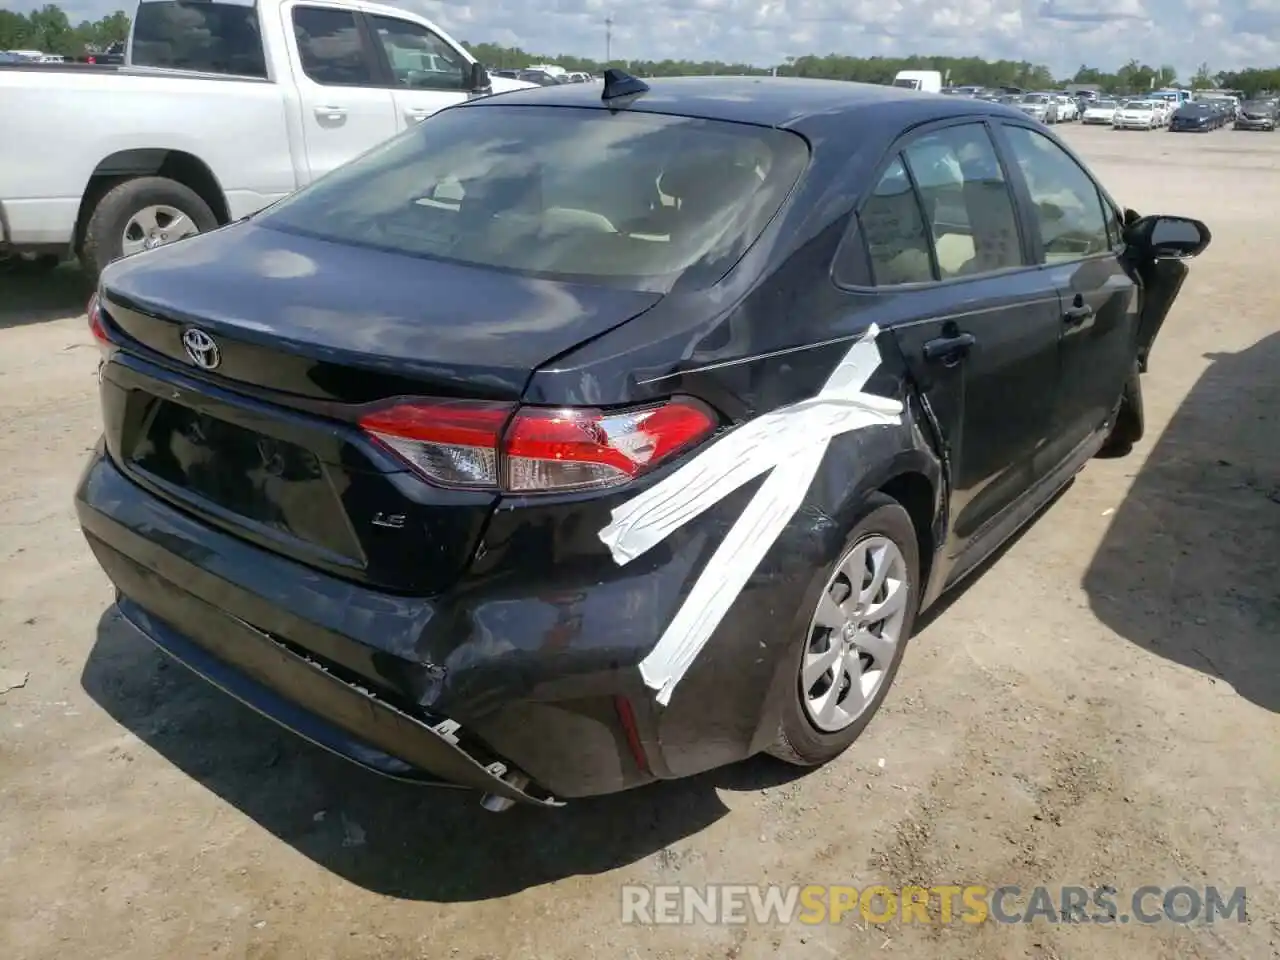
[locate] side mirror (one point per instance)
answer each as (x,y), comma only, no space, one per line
(478,82)
(1169,238)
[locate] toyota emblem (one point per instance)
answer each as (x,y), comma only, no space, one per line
(201,349)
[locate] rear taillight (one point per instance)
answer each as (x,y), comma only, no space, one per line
(536,449)
(98,327)
(454,443)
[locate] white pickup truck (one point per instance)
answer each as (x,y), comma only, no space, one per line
(221,107)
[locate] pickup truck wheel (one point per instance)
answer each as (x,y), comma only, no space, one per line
(855,630)
(138,215)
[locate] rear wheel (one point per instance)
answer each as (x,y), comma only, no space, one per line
(141,214)
(854,635)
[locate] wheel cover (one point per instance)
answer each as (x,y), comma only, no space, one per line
(155,226)
(854,633)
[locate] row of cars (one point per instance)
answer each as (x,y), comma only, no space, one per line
(1194,116)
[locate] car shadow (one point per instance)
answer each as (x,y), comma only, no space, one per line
(1188,567)
(26,299)
(414,843)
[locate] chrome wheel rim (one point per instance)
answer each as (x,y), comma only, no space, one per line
(155,226)
(854,634)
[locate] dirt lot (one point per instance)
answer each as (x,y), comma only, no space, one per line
(1101,706)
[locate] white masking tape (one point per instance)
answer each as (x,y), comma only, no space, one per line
(789,445)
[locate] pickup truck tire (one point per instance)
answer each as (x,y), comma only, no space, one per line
(103,239)
(885,526)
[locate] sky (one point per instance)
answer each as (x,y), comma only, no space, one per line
(1227,34)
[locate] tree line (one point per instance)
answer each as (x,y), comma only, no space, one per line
(51,31)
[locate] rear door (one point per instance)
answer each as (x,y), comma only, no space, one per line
(1075,236)
(424,72)
(346,107)
(977,327)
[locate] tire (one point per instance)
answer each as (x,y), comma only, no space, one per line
(1130,418)
(103,239)
(799,740)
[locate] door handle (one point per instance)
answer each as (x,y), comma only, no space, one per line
(331,113)
(417,114)
(950,350)
(1074,316)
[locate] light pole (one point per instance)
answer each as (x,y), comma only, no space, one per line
(608,39)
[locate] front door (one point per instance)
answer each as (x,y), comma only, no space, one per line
(345,108)
(977,327)
(426,73)
(1076,236)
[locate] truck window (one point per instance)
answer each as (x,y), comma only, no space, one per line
(200,36)
(331,47)
(418,57)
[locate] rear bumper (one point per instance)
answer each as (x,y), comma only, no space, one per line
(342,665)
(1246,124)
(539,672)
(302,696)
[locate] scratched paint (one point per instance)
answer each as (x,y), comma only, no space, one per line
(788,444)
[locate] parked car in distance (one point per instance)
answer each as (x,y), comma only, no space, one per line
(1099,111)
(1067,108)
(445,462)
(1256,115)
(1041,106)
(188,136)
(1137,115)
(1195,117)
(538,77)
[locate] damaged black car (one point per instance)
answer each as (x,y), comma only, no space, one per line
(588,436)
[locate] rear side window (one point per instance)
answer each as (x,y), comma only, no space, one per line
(967,204)
(331,47)
(199,36)
(894,231)
(629,199)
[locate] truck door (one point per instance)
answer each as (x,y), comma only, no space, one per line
(425,73)
(346,109)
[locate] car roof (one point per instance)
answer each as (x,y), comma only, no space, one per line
(791,102)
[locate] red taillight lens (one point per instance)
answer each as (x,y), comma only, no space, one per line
(575,449)
(454,443)
(538,450)
(93,312)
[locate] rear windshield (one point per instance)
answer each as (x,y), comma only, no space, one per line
(1137,105)
(625,199)
(200,36)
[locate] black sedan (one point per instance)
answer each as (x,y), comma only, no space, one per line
(1195,117)
(586,436)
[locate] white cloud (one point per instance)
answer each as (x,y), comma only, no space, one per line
(1228,34)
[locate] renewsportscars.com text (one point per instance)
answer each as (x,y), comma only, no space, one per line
(941,904)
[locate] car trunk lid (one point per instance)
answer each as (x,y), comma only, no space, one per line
(260,438)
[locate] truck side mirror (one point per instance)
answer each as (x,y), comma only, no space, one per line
(478,82)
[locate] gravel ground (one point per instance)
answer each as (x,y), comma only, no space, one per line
(1100,706)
